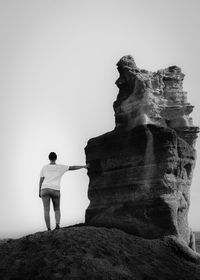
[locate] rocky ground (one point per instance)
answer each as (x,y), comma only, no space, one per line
(83,252)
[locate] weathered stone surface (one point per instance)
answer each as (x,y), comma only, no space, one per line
(152,98)
(89,253)
(140,173)
(139,181)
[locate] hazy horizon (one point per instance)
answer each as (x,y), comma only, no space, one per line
(57,85)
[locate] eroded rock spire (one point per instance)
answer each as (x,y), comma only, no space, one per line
(141,172)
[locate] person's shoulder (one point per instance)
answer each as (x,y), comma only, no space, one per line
(43,169)
(63,166)
(45,166)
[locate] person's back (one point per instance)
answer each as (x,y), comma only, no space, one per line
(52,174)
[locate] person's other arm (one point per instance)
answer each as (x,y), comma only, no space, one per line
(40,185)
(76,167)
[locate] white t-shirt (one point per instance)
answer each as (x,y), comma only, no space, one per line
(52,174)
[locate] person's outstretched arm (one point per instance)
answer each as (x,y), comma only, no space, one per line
(76,167)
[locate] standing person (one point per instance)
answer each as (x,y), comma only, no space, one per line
(49,187)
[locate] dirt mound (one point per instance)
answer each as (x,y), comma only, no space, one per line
(83,252)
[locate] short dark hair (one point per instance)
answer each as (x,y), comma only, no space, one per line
(52,156)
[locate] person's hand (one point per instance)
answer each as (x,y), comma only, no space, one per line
(87,166)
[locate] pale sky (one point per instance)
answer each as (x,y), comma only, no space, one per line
(57,87)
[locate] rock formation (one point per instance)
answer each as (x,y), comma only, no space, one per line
(141,172)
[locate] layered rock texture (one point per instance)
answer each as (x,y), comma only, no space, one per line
(153,98)
(141,172)
(89,253)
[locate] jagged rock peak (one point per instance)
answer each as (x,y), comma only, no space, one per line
(158,98)
(128,62)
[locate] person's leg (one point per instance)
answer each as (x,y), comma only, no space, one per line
(46,204)
(56,205)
